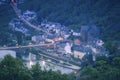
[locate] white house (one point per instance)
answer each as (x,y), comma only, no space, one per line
(67,48)
(78,54)
(100,42)
(79,51)
(76,34)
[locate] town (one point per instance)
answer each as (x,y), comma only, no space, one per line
(53,39)
(59,40)
(66,43)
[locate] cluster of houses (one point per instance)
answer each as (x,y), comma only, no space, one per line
(85,40)
(16,25)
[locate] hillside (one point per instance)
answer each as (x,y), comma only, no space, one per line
(72,13)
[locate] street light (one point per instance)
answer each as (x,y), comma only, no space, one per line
(30,43)
(75,77)
(43,63)
(75,72)
(31,63)
(16,44)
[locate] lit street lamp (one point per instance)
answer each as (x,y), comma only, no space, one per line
(31,63)
(43,63)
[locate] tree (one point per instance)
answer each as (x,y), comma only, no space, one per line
(13,69)
(89,73)
(36,72)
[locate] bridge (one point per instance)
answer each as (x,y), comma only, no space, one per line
(26,46)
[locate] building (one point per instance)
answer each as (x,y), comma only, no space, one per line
(76,33)
(100,43)
(29,15)
(78,51)
(77,41)
(89,33)
(37,38)
(79,54)
(84,33)
(67,48)
(64,47)
(16,25)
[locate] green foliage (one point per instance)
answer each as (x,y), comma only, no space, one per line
(112,47)
(89,73)
(103,70)
(74,13)
(13,69)
(38,74)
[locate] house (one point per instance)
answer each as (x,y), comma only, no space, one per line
(60,47)
(100,43)
(50,38)
(37,38)
(65,32)
(78,52)
(77,41)
(52,28)
(64,47)
(67,48)
(76,33)
(29,15)
(16,25)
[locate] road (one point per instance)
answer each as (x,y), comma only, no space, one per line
(71,66)
(27,46)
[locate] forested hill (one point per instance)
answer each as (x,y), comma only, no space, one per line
(74,13)
(104,13)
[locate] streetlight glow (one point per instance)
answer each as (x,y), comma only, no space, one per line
(31,63)
(43,63)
